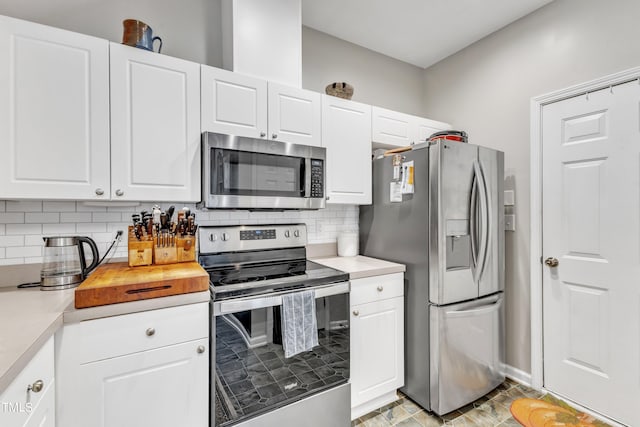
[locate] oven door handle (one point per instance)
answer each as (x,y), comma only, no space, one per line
(252,303)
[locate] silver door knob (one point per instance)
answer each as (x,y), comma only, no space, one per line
(551,262)
(274,135)
(263,134)
(99,191)
(36,387)
(356,313)
(119,192)
(150,332)
(380,288)
(200,349)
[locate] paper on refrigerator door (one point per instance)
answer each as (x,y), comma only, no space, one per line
(407,178)
(395,192)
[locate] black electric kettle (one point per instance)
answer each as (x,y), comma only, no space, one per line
(65,263)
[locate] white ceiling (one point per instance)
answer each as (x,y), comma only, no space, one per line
(420,32)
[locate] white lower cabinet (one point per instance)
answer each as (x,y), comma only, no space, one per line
(377,341)
(30,398)
(141,369)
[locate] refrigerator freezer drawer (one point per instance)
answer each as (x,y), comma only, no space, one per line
(467,351)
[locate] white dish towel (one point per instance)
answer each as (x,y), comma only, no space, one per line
(299,325)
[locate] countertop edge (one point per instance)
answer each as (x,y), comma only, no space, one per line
(23,360)
(376,272)
(360,266)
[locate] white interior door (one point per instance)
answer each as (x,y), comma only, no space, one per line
(591,299)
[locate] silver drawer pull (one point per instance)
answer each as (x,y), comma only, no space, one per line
(380,288)
(356,312)
(36,387)
(200,349)
(150,332)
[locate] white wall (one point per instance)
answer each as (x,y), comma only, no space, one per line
(190,29)
(486,88)
(377,79)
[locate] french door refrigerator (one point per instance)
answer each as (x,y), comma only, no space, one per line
(446,224)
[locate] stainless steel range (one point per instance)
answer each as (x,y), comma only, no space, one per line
(252,270)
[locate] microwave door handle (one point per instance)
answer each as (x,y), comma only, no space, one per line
(307,177)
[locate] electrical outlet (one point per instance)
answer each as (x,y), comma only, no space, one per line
(510,222)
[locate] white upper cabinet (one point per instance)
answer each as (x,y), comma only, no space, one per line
(394,129)
(346,134)
(54,113)
(240,105)
(294,115)
(155,126)
(233,103)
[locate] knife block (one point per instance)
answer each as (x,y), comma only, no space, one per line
(165,255)
(186,248)
(140,251)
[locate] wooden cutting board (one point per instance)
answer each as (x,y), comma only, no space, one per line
(117,282)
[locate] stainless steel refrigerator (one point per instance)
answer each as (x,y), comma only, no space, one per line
(446,224)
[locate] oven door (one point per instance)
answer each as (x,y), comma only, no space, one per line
(252,375)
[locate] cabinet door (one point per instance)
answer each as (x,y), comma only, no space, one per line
(294,115)
(233,104)
(425,128)
(377,349)
(346,134)
(44,415)
(392,128)
(155,126)
(164,387)
(54,113)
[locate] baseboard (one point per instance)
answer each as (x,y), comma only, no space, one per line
(374,404)
(517,375)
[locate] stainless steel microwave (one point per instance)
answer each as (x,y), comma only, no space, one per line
(252,173)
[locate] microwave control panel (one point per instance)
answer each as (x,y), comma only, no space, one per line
(317,174)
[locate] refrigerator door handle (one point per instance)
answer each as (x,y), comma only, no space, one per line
(487,228)
(484,235)
(475,311)
(473,226)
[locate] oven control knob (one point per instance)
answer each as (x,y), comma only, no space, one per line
(296,233)
(287,234)
(213,237)
(225,236)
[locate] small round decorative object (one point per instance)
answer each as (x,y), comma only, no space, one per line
(341,90)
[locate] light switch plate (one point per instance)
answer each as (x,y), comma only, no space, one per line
(509,198)
(510,222)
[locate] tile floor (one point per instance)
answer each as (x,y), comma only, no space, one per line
(488,411)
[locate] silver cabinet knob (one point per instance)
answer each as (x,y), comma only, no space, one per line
(119,192)
(150,332)
(263,134)
(36,387)
(99,191)
(356,313)
(552,262)
(200,349)
(380,288)
(274,135)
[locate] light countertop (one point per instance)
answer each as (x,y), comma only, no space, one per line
(29,317)
(361,266)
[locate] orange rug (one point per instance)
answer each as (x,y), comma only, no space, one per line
(551,412)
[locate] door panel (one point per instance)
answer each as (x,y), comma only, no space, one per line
(294,115)
(591,214)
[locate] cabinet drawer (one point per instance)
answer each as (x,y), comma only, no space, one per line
(377,288)
(119,335)
(16,403)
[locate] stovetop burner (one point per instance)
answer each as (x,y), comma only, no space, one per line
(242,279)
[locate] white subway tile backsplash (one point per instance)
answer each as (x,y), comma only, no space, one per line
(55,206)
(108,216)
(24,206)
(42,217)
(12,218)
(75,217)
(21,231)
(58,229)
(13,229)
(93,227)
(8,241)
(24,251)
(34,260)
